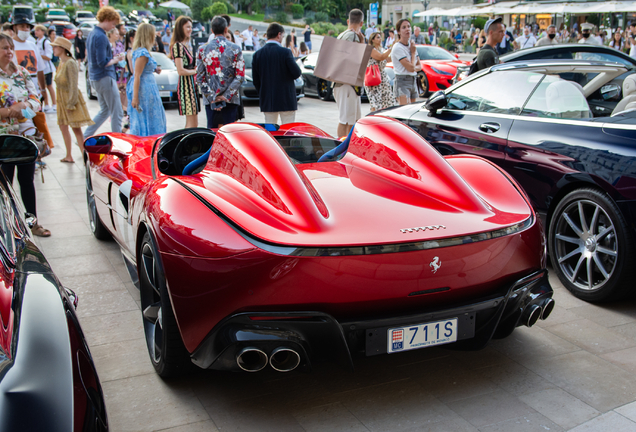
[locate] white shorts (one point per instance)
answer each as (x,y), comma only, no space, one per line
(349,104)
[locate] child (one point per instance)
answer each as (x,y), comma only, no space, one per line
(71,108)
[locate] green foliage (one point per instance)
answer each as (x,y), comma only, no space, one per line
(323,28)
(422,26)
(321,17)
(309,20)
(5,10)
(70,10)
(281,18)
(40,14)
(479,22)
(297,11)
(230,7)
(197,6)
(218,8)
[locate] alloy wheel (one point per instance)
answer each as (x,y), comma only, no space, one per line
(151,303)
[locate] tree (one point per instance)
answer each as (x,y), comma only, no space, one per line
(197,6)
(210,12)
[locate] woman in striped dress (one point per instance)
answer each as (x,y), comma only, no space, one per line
(189,104)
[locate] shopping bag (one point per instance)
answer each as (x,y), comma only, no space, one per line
(342,61)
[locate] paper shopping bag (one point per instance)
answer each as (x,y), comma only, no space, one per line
(342,61)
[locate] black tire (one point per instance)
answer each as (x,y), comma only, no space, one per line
(165,346)
(422,84)
(97,227)
(324,90)
(590,246)
(89,90)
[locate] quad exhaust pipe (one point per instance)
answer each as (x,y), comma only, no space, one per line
(534,312)
(282,359)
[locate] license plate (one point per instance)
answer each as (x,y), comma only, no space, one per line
(422,335)
(165,93)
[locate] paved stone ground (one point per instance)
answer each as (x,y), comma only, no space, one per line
(574,371)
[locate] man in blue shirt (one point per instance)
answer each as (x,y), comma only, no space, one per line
(101,71)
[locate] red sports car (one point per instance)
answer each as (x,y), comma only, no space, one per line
(438,68)
(256,245)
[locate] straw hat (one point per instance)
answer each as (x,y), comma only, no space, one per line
(62,42)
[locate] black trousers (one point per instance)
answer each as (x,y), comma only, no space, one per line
(26,179)
(227,115)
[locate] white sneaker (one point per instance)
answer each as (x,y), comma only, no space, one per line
(47,109)
(53,108)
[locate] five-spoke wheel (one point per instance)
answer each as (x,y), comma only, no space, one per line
(589,245)
(97,227)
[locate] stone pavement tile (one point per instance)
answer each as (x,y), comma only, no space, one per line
(86,264)
(565,299)
(482,358)
(526,423)
(589,378)
(90,283)
(607,422)
(457,424)
(609,314)
(204,426)
(396,406)
(452,384)
(148,403)
(558,316)
(490,408)
(60,231)
(516,379)
(330,417)
(592,337)
(627,330)
(106,303)
(72,246)
(124,359)
(560,407)
(64,215)
(628,411)
(626,359)
(527,344)
(115,327)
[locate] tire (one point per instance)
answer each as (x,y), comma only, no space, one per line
(89,90)
(590,246)
(97,227)
(324,90)
(167,353)
(422,84)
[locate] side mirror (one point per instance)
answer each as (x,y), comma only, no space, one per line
(101,145)
(437,101)
(456,55)
(17,149)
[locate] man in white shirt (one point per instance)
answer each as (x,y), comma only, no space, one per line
(631,34)
(46,53)
(586,35)
(549,38)
(369,31)
(527,40)
(247,38)
(27,54)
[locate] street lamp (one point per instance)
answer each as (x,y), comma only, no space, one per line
(425,3)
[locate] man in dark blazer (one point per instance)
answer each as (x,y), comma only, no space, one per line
(273,72)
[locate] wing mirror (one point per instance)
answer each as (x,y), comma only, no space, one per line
(17,149)
(436,102)
(456,56)
(101,145)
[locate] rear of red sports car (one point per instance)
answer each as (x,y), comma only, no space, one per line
(260,259)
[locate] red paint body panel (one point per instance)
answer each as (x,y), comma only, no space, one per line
(210,227)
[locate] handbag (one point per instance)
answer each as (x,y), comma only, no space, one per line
(372,76)
(38,138)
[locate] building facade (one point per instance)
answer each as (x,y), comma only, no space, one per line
(395,10)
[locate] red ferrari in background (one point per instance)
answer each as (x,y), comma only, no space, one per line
(438,68)
(258,245)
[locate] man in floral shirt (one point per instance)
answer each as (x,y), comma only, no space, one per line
(220,73)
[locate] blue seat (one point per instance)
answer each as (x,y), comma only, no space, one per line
(336,153)
(201,160)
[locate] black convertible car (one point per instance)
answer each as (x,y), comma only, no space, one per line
(579,169)
(48,380)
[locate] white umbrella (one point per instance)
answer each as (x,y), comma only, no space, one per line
(174,4)
(436,11)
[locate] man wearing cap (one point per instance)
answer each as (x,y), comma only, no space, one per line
(586,35)
(101,71)
(488,56)
(27,54)
(526,40)
(549,38)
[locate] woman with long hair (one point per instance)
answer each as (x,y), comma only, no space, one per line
(71,108)
(189,104)
(406,64)
(147,116)
(617,41)
(380,96)
(80,48)
(128,72)
(289,43)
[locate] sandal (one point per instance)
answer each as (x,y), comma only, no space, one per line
(67,161)
(40,231)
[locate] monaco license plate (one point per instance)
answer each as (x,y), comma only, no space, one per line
(422,335)
(165,93)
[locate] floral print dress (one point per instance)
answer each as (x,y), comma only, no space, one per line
(17,86)
(220,70)
(380,96)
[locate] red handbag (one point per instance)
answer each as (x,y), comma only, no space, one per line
(372,76)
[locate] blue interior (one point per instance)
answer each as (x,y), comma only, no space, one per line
(335,154)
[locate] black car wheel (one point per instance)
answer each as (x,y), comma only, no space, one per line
(324,90)
(165,347)
(89,90)
(590,247)
(97,227)
(422,84)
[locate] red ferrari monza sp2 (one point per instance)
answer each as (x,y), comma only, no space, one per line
(263,245)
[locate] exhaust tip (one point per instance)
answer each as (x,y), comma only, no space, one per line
(533,314)
(284,359)
(548,307)
(251,359)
